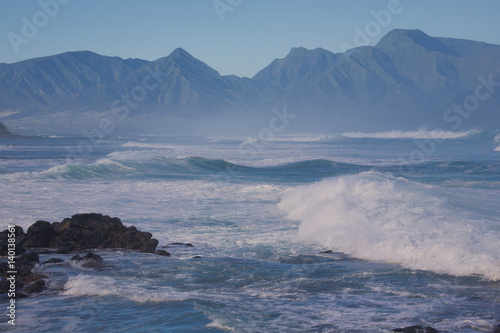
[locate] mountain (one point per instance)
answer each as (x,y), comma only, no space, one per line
(408,80)
(64,81)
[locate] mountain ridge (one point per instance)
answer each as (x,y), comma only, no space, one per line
(408,79)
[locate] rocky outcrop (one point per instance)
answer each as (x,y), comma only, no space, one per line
(25,280)
(88,231)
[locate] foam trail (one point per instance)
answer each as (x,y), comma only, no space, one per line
(84,285)
(420,134)
(375,217)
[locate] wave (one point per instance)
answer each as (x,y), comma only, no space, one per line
(147,145)
(84,285)
(296,138)
(377,217)
(195,168)
(420,134)
(146,165)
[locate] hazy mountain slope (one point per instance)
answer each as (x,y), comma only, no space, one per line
(407,80)
(55,83)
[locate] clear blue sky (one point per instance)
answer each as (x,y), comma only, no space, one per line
(251,35)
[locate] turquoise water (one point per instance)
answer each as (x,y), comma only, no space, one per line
(412,221)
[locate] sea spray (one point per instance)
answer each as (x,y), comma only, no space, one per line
(378,217)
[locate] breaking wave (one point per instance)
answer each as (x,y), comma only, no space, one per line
(420,134)
(378,217)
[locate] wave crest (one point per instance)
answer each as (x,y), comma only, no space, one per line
(376,217)
(420,134)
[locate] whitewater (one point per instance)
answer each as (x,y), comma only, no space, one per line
(350,232)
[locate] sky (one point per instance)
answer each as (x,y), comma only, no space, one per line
(237,37)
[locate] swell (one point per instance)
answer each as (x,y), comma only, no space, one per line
(216,169)
(194,168)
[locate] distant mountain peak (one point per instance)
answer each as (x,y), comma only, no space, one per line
(302,51)
(402,36)
(180,52)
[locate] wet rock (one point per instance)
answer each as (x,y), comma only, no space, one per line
(327,252)
(30,256)
(496,329)
(163,253)
(76,257)
(35,287)
(40,234)
(197,257)
(182,244)
(65,249)
(88,231)
(52,261)
(416,329)
(4,241)
(92,257)
(45,251)
(90,260)
(24,275)
(88,257)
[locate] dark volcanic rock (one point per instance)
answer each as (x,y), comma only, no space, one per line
(36,287)
(76,257)
(88,231)
(90,260)
(92,257)
(496,329)
(163,253)
(4,241)
(53,261)
(416,329)
(24,277)
(182,244)
(30,256)
(40,234)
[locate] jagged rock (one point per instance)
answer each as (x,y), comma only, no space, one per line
(52,261)
(35,287)
(88,231)
(40,234)
(92,257)
(416,329)
(30,256)
(4,243)
(65,249)
(24,277)
(163,253)
(76,257)
(327,251)
(183,244)
(89,257)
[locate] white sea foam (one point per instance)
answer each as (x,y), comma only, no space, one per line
(85,285)
(420,134)
(148,145)
(375,217)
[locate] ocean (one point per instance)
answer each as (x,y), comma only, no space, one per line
(352,232)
